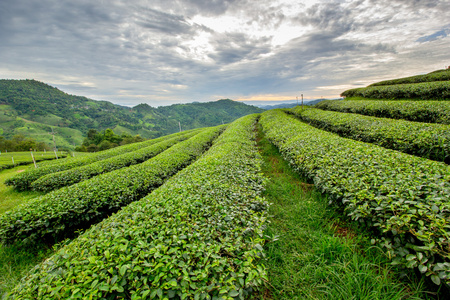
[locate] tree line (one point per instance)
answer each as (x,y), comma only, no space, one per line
(106,139)
(21,143)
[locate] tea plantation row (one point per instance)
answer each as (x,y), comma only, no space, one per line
(61,212)
(23,180)
(57,180)
(418,111)
(196,237)
(436,90)
(24,158)
(404,197)
(422,139)
(440,75)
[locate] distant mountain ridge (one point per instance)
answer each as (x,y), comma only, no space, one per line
(289,105)
(33,108)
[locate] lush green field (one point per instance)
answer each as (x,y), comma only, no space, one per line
(11,159)
(314,252)
(439,75)
(228,218)
(417,111)
(421,139)
(402,197)
(436,90)
(60,213)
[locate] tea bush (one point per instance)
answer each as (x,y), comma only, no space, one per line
(403,197)
(68,177)
(418,111)
(199,236)
(61,212)
(422,139)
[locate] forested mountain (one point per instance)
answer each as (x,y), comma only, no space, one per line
(33,108)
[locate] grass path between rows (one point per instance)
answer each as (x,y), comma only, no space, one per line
(16,261)
(9,197)
(314,255)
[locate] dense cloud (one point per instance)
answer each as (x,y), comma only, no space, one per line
(164,52)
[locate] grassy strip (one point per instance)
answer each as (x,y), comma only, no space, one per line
(16,261)
(23,180)
(417,111)
(9,197)
(404,197)
(63,211)
(440,75)
(196,237)
(58,180)
(431,141)
(437,90)
(313,255)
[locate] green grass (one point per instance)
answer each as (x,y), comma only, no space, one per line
(9,197)
(315,255)
(15,260)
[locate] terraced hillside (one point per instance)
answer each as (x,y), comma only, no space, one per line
(190,216)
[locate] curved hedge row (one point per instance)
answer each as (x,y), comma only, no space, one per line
(431,141)
(441,75)
(418,111)
(61,212)
(437,90)
(199,236)
(402,196)
(57,180)
(23,180)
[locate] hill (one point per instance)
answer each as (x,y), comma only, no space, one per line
(431,86)
(33,108)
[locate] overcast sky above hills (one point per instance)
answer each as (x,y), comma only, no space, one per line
(162,51)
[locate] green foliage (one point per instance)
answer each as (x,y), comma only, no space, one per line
(20,143)
(196,237)
(314,254)
(31,105)
(439,75)
(61,212)
(57,180)
(404,197)
(437,90)
(23,180)
(418,111)
(422,139)
(106,139)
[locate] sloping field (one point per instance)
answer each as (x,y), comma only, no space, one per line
(417,111)
(431,141)
(403,197)
(196,237)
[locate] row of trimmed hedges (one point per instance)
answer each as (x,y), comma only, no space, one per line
(199,236)
(24,158)
(404,197)
(437,90)
(441,75)
(61,212)
(57,180)
(418,111)
(431,141)
(22,181)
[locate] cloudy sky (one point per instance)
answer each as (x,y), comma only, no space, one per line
(162,52)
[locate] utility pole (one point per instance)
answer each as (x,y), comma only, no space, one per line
(302,101)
